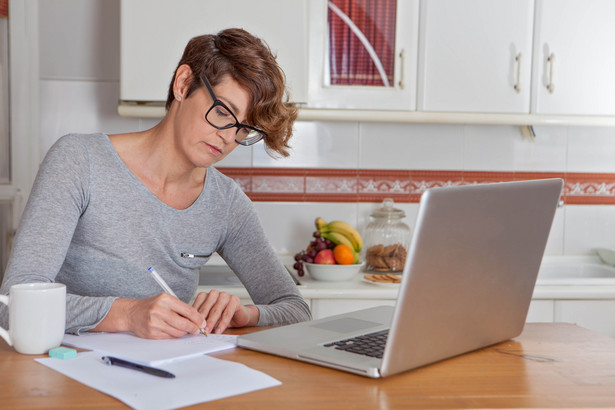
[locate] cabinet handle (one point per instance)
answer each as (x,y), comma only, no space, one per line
(517,86)
(402,66)
(551,60)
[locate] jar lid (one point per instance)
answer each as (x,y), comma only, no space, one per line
(388,210)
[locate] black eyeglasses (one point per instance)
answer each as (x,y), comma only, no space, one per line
(222,118)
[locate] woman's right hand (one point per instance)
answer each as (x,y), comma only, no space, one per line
(158,317)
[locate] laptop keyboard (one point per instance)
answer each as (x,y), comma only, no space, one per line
(371,344)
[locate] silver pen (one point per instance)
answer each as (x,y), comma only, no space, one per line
(167,289)
(192,255)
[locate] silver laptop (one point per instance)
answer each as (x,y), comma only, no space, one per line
(467,283)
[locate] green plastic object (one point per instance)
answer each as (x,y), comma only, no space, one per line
(62,353)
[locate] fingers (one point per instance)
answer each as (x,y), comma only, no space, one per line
(218,309)
(163,317)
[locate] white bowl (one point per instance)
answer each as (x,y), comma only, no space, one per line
(333,273)
(607,255)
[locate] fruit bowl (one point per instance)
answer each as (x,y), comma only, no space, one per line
(333,273)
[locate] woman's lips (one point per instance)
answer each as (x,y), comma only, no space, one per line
(214,150)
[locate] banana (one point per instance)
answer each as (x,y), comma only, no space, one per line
(347,230)
(320,223)
(338,238)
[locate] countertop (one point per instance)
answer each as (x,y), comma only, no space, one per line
(549,284)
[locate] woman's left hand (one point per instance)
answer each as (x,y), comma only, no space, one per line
(222,310)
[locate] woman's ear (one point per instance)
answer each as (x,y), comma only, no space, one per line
(181,84)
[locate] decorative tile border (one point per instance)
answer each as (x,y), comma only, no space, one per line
(346,185)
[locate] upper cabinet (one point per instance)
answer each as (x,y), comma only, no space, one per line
(363,54)
(482,61)
(574,57)
(155,32)
(475,56)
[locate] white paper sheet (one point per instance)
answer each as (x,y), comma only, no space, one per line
(197,380)
(151,352)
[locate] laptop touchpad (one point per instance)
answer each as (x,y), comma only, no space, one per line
(345,325)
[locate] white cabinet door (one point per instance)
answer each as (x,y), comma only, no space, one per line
(155,32)
(597,315)
(399,94)
(540,311)
(574,57)
(475,56)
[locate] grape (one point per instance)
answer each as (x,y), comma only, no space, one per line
(309,260)
(312,254)
(316,234)
(298,266)
(320,246)
(330,245)
(298,256)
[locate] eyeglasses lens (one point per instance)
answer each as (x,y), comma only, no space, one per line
(222,118)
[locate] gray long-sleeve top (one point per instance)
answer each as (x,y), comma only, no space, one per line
(91,224)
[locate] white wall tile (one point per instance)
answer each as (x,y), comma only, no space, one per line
(555,243)
(79,107)
(547,153)
(316,144)
(591,149)
(289,225)
(411,146)
(588,227)
(366,209)
(489,147)
(79,39)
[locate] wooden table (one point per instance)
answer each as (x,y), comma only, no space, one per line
(549,365)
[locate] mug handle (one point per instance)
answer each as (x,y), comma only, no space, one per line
(5,335)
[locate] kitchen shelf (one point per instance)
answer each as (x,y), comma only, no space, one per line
(154,110)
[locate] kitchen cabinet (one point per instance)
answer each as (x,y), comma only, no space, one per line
(155,32)
(597,315)
(540,311)
(590,305)
(574,62)
(475,56)
(399,92)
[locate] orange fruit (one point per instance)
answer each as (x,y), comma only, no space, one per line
(343,255)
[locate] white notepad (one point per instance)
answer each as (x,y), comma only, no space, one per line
(148,351)
(197,380)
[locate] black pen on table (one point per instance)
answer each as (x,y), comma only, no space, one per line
(167,289)
(114,361)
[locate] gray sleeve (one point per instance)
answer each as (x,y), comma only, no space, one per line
(59,196)
(250,255)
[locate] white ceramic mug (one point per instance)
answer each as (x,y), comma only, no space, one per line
(37,316)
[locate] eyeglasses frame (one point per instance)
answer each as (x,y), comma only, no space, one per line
(237,124)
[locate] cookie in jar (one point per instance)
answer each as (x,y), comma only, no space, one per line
(386,239)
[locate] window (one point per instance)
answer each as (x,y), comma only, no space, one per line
(362,42)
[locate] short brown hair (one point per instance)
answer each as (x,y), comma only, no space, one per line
(250,62)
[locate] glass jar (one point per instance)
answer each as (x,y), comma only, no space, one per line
(387,239)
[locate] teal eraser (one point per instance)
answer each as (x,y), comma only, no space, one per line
(62,353)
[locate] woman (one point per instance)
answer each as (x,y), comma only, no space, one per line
(103,209)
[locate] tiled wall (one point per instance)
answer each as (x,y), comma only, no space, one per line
(79,90)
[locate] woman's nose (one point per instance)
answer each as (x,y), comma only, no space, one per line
(228,134)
